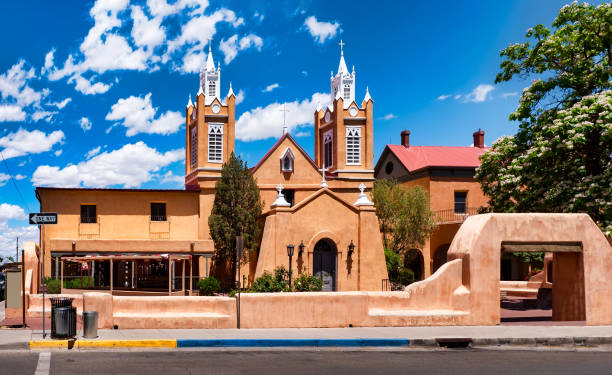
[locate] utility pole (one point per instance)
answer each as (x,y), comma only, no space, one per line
(17,250)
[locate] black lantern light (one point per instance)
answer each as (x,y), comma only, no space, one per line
(301,248)
(351,248)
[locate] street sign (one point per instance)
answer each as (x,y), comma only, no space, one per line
(43,218)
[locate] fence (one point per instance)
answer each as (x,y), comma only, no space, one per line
(452,217)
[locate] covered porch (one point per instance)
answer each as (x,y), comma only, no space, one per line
(129,274)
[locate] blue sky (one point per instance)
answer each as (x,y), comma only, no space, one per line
(93,93)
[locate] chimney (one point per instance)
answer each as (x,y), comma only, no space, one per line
(479,139)
(406,138)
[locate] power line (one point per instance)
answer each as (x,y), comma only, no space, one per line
(14,183)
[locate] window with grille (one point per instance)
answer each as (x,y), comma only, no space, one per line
(347,92)
(215,143)
(88,213)
(327,149)
(212,86)
(194,146)
(158,212)
(460,202)
(353,145)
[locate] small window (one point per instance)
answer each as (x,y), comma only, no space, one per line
(158,212)
(353,145)
(215,143)
(460,202)
(327,149)
(88,213)
(194,146)
(287,164)
(289,196)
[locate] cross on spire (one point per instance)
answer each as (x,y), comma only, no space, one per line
(284,110)
(209,44)
(341,49)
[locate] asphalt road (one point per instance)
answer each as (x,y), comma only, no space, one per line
(312,362)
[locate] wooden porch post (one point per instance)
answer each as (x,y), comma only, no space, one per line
(183,275)
(169,275)
(190,275)
(61,277)
(111,276)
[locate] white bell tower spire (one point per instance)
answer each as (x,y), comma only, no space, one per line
(210,77)
(343,83)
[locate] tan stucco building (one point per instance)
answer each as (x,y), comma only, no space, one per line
(320,206)
(447,174)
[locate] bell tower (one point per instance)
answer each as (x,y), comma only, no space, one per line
(210,128)
(344,130)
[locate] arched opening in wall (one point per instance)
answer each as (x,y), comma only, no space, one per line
(324,267)
(527,291)
(440,256)
(413,260)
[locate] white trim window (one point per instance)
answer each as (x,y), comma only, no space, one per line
(194,146)
(287,160)
(353,145)
(328,141)
(212,87)
(215,143)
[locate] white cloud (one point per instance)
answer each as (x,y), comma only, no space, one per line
(479,94)
(270,87)
(13,84)
(321,31)
(138,116)
(11,212)
(443,97)
(43,115)
(58,152)
(4,178)
(62,104)
(170,177)
(304,73)
(231,46)
(93,152)
(458,96)
(506,95)
(389,116)
(259,16)
(85,86)
(85,124)
(130,166)
(24,142)
(11,113)
(240,97)
(147,32)
(267,122)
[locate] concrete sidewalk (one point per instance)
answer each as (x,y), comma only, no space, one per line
(315,337)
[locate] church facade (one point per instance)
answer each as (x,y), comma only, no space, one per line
(318,204)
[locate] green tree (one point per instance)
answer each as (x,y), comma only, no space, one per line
(403,215)
(235,212)
(560,159)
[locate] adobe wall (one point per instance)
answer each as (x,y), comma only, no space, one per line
(478,245)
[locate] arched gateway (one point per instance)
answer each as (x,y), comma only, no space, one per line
(324,264)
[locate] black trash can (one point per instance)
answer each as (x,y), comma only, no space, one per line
(63,318)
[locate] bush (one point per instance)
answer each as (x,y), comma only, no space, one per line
(79,283)
(307,283)
(266,283)
(53,285)
(208,286)
(394,264)
(405,277)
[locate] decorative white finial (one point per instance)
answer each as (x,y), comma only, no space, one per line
(319,106)
(209,45)
(353,69)
(363,200)
(323,182)
(231,91)
(367,95)
(280,198)
(190,103)
(284,110)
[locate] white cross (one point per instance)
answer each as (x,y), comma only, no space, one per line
(209,44)
(323,182)
(341,45)
(284,110)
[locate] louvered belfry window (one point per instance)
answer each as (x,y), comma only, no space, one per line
(353,145)
(194,146)
(215,143)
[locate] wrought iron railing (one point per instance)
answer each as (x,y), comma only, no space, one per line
(451,216)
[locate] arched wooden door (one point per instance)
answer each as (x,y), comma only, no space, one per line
(324,264)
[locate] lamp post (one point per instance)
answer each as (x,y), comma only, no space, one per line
(290,248)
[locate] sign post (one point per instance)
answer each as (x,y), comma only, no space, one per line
(239,246)
(42,218)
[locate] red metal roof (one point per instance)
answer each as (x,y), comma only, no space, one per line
(419,157)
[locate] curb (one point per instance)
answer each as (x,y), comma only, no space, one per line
(275,343)
(76,344)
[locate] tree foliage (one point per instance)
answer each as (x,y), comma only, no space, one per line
(235,212)
(403,215)
(560,159)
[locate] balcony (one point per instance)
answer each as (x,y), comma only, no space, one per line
(451,217)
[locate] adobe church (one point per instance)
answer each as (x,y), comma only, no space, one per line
(155,240)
